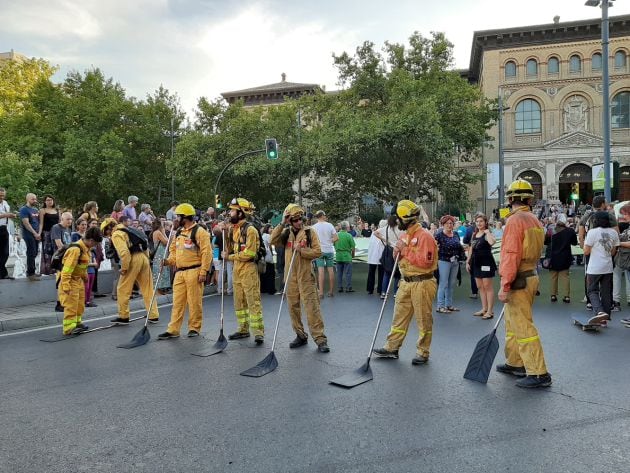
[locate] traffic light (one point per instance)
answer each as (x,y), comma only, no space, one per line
(271,147)
(575,191)
(217,201)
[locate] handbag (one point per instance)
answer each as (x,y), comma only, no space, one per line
(546,262)
(387,258)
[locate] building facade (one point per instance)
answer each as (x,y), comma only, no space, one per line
(271,94)
(549,78)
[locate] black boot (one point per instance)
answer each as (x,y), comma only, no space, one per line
(323,347)
(120,321)
(238,335)
(298,342)
(167,335)
(513,370)
(259,339)
(382,353)
(540,381)
(419,360)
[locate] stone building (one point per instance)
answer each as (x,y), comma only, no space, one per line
(271,94)
(550,80)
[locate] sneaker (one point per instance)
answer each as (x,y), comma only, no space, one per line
(584,300)
(154,321)
(193,333)
(566,300)
(34,277)
(419,360)
(340,289)
(554,298)
(91,304)
(625,321)
(120,321)
(383,353)
(383,295)
(513,370)
(616,306)
(349,290)
(167,335)
(238,335)
(589,306)
(541,381)
(323,347)
(259,339)
(298,342)
(598,319)
(474,296)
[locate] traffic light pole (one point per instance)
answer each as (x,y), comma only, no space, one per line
(228,165)
(606,97)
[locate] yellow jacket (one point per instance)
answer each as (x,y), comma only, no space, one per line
(184,253)
(75,263)
(419,257)
(243,252)
(307,253)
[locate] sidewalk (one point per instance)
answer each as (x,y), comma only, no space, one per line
(39,315)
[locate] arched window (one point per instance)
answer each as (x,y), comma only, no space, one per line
(532,67)
(620,110)
(510,69)
(528,117)
(575,63)
(535,180)
(596,62)
(620,60)
(553,65)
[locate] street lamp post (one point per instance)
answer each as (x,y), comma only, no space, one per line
(172,157)
(299,126)
(501,153)
(605,92)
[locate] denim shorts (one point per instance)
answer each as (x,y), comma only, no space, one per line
(326,260)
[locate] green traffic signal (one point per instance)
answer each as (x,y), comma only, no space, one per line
(271,148)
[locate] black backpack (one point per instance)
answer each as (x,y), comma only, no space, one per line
(56,263)
(138,240)
(193,237)
(259,259)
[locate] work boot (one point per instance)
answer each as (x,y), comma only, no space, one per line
(419,360)
(193,333)
(238,335)
(298,342)
(120,321)
(82,326)
(77,331)
(167,335)
(323,347)
(259,339)
(534,381)
(154,321)
(383,353)
(34,277)
(58,307)
(513,370)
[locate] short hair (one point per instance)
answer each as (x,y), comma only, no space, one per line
(344,225)
(94,233)
(132,198)
(145,206)
(80,221)
(174,203)
(598,201)
(447,218)
(320,214)
(123,218)
(625,210)
(601,218)
(2,189)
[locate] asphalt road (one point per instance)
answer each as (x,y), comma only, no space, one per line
(83,405)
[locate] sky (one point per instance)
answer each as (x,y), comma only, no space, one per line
(204,47)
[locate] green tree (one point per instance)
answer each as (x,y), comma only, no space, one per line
(20,174)
(17,80)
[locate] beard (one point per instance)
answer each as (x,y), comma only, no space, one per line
(234,219)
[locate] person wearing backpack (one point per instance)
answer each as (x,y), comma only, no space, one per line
(191,253)
(418,256)
(71,290)
(132,250)
(243,249)
(300,286)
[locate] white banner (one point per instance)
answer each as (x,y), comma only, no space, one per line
(492,180)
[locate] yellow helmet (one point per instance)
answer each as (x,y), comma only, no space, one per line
(238,203)
(185,209)
(294,211)
(407,211)
(521,189)
(107,222)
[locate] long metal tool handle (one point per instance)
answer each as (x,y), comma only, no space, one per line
(496,325)
(166,253)
(284,292)
(380,316)
(222,285)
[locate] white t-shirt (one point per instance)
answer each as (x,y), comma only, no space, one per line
(602,241)
(325,232)
(5,208)
(391,235)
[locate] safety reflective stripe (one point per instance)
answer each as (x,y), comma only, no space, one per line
(422,334)
(256,321)
(250,253)
(67,269)
(398,330)
(527,340)
(82,266)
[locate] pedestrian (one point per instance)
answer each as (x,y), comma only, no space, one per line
(61,234)
(600,245)
(160,240)
(130,208)
(132,250)
(29,216)
(91,274)
(268,278)
(218,235)
(560,258)
(5,216)
(117,210)
(242,251)
(389,236)
(90,211)
(375,251)
(300,284)
(327,236)
(191,253)
(80,229)
(449,251)
(345,250)
(417,252)
(146,219)
(523,239)
(48,218)
(481,265)
(71,291)
(366,232)
(622,258)
(466,240)
(170,213)
(107,228)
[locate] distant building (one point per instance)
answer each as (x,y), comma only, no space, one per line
(12,56)
(271,94)
(550,79)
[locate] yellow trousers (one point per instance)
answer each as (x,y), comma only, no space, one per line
(186,291)
(413,298)
(301,289)
(565,283)
(139,272)
(73,305)
(522,343)
(247,303)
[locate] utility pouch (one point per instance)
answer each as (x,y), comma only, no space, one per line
(519,283)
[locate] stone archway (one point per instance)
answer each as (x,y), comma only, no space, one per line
(579,174)
(535,179)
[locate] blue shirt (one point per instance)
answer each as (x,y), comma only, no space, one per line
(461,231)
(33,217)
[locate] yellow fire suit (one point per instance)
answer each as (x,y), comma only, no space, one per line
(192,261)
(300,287)
(246,281)
(138,270)
(72,285)
(523,239)
(416,291)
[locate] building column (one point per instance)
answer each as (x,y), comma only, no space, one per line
(550,186)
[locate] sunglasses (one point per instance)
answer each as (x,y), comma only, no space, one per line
(295,219)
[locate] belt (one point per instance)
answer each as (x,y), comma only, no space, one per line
(527,274)
(189,267)
(420,277)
